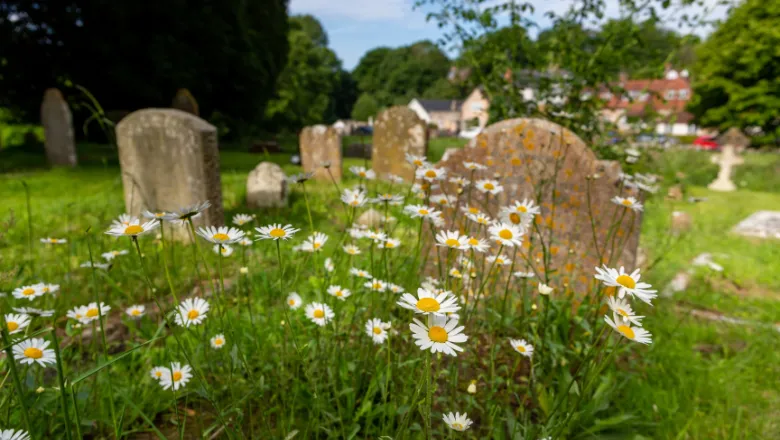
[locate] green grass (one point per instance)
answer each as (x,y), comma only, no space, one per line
(700,379)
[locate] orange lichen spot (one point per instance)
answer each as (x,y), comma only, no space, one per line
(516,161)
(554,250)
(568,172)
(569,267)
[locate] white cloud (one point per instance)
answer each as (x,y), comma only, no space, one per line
(363,10)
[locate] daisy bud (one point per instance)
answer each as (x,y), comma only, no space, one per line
(39,390)
(472,389)
(244,270)
(544,289)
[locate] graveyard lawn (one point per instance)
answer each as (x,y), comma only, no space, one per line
(701,378)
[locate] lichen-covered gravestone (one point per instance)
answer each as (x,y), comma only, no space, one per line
(58,130)
(534,156)
(320,144)
(169,160)
(266,186)
(185,102)
(398,131)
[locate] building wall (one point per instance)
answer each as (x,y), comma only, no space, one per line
(447,121)
(418,108)
(676,129)
(475,106)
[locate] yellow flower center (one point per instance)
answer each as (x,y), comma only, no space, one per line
(389,244)
(423,212)
(339,293)
(626,202)
(316,245)
(388,196)
(506,234)
(430,174)
(193,314)
(354,203)
(428,305)
(473,210)
(277,233)
(46,289)
(115,253)
(362,174)
(221,237)
(622,313)
(158,373)
(489,186)
(319,313)
(418,163)
(521,349)
(377,331)
(500,260)
(377,286)
(626,281)
(136,312)
(451,242)
(176,376)
(28,291)
(458,426)
(133,230)
(291,302)
(34,353)
(473,242)
(91,313)
(218,341)
(522,209)
(12,326)
(437,334)
(627,331)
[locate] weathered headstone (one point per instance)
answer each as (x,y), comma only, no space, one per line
(534,156)
(169,160)
(761,224)
(681,222)
(321,144)
(185,102)
(734,137)
(266,186)
(727,159)
(397,131)
(58,129)
(675,192)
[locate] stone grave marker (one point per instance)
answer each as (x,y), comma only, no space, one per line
(266,186)
(527,155)
(320,144)
(169,160)
(185,102)
(727,159)
(762,224)
(57,124)
(397,131)
(734,137)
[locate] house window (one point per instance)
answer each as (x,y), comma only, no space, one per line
(669,94)
(476,107)
(683,93)
(606,96)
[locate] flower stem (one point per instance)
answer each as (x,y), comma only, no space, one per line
(61,381)
(15,374)
(308,210)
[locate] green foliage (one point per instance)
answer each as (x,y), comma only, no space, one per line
(737,75)
(366,106)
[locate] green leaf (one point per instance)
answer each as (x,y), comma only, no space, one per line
(39,332)
(143,416)
(108,363)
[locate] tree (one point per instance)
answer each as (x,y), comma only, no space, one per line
(133,55)
(365,107)
(737,74)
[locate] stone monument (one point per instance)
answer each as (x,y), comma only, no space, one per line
(57,123)
(398,131)
(321,144)
(732,141)
(266,186)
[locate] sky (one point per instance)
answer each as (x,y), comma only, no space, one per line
(356,26)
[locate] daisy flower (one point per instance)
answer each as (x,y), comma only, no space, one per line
(294,300)
(354,197)
(499,259)
(621,307)
(477,244)
(300,177)
(526,208)
(522,346)
(221,235)
(443,200)
(177,376)
(357,233)
(637,334)
(544,289)
(223,249)
(108,256)
(506,234)
(457,421)
(155,215)
(359,273)
(275,232)
(16,322)
(363,173)
(479,218)
(136,311)
(375,285)
(124,220)
(245,242)
(430,173)
(390,199)
(417,161)
(473,166)
(192,311)
(158,373)
(49,240)
(242,219)
(390,243)
(89,264)
(34,350)
(351,249)
(377,330)
(134,229)
(423,211)
(455,273)
(329,266)
(319,313)
(395,288)
(218,341)
(338,292)
(452,240)
(377,236)
(28,292)
(92,312)
(628,202)
(395,178)
(12,434)
(627,283)
(428,302)
(77,313)
(441,336)
(489,186)
(460,181)
(48,288)
(188,212)
(34,312)
(315,242)
(521,274)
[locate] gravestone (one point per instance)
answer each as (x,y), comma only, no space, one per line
(534,156)
(320,144)
(734,137)
(727,159)
(398,131)
(58,134)
(681,222)
(761,224)
(266,186)
(169,160)
(185,102)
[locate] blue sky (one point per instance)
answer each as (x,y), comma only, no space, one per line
(356,26)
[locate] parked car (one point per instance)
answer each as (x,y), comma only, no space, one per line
(706,143)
